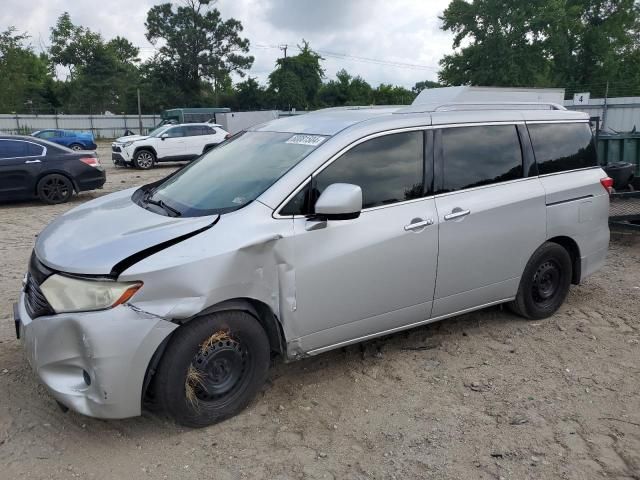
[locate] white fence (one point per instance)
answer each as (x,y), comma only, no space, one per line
(102,126)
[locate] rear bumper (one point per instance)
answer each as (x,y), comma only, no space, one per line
(592,263)
(93,362)
(91,181)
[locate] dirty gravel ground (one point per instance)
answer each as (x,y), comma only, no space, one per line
(482,396)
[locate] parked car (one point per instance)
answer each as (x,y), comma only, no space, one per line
(74,140)
(35,168)
(168,143)
(307,234)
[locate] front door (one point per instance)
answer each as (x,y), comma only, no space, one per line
(359,277)
(492,217)
(173,145)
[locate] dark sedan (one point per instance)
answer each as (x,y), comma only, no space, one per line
(35,168)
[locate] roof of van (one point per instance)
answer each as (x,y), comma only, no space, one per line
(439,106)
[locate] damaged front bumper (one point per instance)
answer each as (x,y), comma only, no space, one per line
(93,362)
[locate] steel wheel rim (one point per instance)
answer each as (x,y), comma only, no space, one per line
(76,148)
(55,189)
(145,160)
(546,282)
(222,366)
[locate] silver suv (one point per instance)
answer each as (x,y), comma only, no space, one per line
(306,234)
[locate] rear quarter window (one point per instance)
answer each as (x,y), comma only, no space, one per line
(559,147)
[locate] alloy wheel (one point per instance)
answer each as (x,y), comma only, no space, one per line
(55,189)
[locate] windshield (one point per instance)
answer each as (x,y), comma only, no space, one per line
(158,131)
(233,174)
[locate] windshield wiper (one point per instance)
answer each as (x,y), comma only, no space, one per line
(170,210)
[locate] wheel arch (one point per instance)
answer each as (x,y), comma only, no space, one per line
(145,147)
(571,246)
(262,313)
(257,309)
(76,188)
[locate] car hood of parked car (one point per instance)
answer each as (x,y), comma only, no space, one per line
(112,230)
(131,138)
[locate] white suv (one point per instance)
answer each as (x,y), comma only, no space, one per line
(168,143)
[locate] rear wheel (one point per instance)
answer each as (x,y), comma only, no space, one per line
(76,146)
(212,368)
(55,188)
(144,160)
(545,283)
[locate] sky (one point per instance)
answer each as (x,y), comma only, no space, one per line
(405,34)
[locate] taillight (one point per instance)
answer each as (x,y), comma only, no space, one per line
(91,161)
(607,183)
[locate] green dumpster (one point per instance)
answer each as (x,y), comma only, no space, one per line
(621,147)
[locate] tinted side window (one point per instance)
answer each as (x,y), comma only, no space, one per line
(476,156)
(562,146)
(46,134)
(388,169)
(194,130)
(34,150)
(13,149)
(176,132)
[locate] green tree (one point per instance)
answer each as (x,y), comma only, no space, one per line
(198,45)
(566,43)
(297,79)
(387,94)
(102,75)
(26,82)
(250,95)
(346,90)
(419,86)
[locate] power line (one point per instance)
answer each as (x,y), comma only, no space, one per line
(345,56)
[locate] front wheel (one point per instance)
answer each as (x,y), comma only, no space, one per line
(144,160)
(545,282)
(212,368)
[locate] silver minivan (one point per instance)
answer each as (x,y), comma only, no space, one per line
(306,234)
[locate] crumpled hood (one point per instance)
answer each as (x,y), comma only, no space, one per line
(131,138)
(92,238)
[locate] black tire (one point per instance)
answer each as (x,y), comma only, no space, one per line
(229,355)
(76,147)
(144,159)
(545,282)
(54,189)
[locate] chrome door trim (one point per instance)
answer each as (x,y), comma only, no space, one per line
(406,327)
(334,157)
(556,121)
(277,215)
(43,154)
(570,171)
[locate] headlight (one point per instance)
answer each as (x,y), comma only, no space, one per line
(127,144)
(67,294)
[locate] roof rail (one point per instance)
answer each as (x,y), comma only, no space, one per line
(450,106)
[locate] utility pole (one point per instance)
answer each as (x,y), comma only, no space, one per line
(284,47)
(139,114)
(604,110)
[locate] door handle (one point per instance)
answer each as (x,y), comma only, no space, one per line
(457,213)
(32,161)
(418,225)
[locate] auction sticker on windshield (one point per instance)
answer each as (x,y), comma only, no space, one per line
(312,140)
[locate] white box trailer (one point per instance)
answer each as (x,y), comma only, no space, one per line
(234,122)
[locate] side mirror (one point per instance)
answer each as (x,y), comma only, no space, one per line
(163,136)
(339,201)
